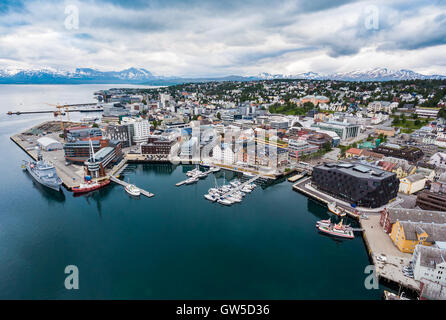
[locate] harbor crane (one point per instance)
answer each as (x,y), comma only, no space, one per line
(60,108)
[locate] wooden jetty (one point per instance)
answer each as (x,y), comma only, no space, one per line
(124,184)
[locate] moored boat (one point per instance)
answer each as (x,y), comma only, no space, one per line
(132,190)
(43,172)
(337,230)
(337,211)
(89,186)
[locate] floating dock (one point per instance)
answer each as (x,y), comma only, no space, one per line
(296,177)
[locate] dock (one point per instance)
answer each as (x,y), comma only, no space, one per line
(184,181)
(376,240)
(241,186)
(296,177)
(124,184)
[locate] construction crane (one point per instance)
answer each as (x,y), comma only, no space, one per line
(59,112)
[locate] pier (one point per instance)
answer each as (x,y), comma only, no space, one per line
(377,242)
(124,184)
(86,107)
(184,181)
(241,186)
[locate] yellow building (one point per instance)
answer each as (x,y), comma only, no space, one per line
(412,183)
(406,235)
(403,171)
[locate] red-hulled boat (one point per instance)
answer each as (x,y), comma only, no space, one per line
(89,186)
(337,230)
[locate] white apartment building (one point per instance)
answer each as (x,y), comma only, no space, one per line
(429,262)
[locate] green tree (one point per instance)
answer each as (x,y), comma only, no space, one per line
(218,116)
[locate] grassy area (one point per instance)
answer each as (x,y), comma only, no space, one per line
(409,125)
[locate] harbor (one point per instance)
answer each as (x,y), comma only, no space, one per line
(377,242)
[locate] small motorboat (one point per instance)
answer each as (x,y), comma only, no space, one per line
(132,190)
(225,201)
(191,180)
(214,169)
(246,189)
(337,211)
(211,197)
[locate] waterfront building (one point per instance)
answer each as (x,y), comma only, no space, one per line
(431,200)
(49,144)
(356,183)
(389,216)
(95,166)
(429,263)
(411,154)
(79,151)
(121,133)
(405,235)
(157,145)
(344,130)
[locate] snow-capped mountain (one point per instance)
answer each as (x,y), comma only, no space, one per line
(79,75)
(382,74)
(140,75)
(377,74)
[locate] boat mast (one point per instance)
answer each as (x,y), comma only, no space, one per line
(92,151)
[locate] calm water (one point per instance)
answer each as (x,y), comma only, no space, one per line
(175,245)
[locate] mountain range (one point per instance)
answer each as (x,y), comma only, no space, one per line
(143,76)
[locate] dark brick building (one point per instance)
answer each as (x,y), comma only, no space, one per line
(356,183)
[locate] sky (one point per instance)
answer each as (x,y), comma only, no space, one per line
(215,38)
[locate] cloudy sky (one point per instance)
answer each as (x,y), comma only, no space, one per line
(223,37)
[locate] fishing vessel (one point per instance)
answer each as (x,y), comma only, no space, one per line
(337,211)
(89,185)
(337,230)
(132,190)
(43,172)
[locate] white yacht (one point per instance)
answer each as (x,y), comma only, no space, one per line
(211,197)
(224,201)
(132,190)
